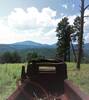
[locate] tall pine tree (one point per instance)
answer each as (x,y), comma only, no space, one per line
(64,31)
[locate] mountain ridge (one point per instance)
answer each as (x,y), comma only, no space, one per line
(23,45)
(30,44)
(46,50)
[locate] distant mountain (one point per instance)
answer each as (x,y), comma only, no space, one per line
(48,51)
(23,45)
(28,43)
(6,47)
(31,45)
(86,46)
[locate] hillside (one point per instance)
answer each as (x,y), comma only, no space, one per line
(23,45)
(49,51)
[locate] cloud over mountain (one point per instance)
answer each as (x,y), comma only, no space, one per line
(30,24)
(32,18)
(35,25)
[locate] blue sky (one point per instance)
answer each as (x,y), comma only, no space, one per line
(36,20)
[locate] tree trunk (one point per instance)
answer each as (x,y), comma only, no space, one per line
(74,53)
(68,54)
(81,36)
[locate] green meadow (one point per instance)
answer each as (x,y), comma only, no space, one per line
(81,78)
(9,73)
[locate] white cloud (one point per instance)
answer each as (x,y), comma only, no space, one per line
(86,26)
(86,18)
(29,24)
(31,18)
(71,19)
(50,37)
(65,6)
(32,24)
(87,38)
(87,12)
(62,14)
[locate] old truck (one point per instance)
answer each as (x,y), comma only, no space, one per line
(46,79)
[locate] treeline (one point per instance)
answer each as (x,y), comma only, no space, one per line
(25,56)
(15,57)
(10,57)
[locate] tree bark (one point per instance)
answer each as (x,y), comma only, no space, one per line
(81,36)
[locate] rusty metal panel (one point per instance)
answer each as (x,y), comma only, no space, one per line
(73,92)
(50,81)
(49,84)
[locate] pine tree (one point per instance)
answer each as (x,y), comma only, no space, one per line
(64,31)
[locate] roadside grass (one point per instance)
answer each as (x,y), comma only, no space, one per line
(9,73)
(80,78)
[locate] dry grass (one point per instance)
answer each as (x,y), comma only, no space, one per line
(9,73)
(81,78)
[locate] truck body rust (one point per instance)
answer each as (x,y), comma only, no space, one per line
(46,80)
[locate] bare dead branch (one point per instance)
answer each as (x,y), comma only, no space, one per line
(86,7)
(86,16)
